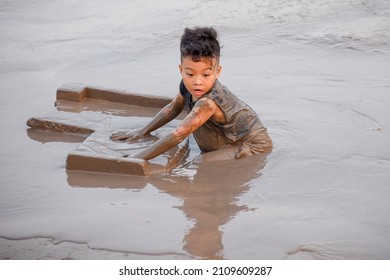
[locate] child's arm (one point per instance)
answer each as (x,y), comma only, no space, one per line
(202,111)
(168,113)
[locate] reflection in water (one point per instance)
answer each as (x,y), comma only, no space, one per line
(104,180)
(210,197)
(45,136)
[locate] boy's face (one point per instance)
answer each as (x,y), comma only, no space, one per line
(199,77)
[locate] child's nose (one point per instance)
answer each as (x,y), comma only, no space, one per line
(198,80)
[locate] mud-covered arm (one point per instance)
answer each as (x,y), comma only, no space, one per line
(202,111)
(168,113)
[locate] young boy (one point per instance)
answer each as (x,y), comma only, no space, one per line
(216,117)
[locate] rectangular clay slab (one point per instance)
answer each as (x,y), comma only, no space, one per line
(104,164)
(99,154)
(79,92)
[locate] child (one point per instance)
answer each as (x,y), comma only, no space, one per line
(216,117)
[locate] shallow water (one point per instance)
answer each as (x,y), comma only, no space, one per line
(318,74)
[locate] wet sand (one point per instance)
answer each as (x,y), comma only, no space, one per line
(317,73)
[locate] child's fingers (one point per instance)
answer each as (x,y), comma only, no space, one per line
(116,134)
(118,137)
(132,138)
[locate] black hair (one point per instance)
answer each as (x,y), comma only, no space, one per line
(200,42)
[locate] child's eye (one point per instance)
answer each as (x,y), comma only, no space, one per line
(206,75)
(190,75)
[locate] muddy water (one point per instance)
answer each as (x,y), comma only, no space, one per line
(317,72)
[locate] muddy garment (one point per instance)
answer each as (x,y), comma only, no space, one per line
(242,129)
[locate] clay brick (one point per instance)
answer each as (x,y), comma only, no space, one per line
(72,92)
(102,164)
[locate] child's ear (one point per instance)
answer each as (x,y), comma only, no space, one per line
(219,69)
(180,68)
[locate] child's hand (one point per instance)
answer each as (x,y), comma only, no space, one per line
(129,136)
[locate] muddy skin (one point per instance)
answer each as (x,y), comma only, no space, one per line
(210,138)
(167,114)
(196,118)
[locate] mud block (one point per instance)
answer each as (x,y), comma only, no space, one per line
(100,154)
(72,92)
(105,164)
(55,126)
(69,122)
(125,97)
(78,92)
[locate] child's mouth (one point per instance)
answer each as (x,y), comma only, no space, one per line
(198,92)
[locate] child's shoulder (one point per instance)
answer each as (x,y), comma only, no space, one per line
(220,91)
